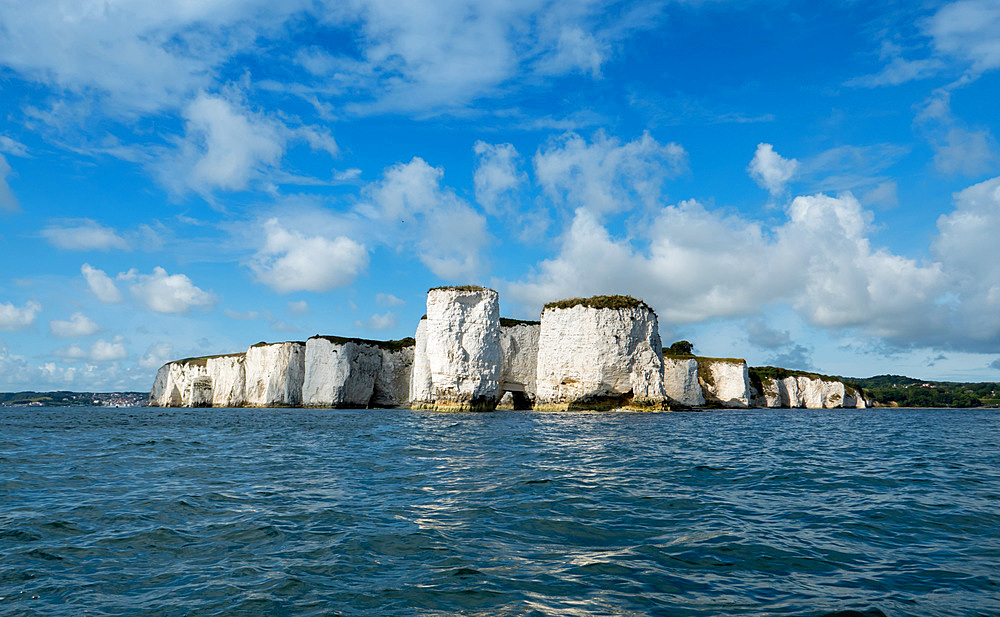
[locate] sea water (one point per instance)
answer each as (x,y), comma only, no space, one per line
(397,512)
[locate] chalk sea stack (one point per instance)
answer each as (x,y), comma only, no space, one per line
(602,352)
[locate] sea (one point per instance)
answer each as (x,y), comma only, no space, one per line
(182,512)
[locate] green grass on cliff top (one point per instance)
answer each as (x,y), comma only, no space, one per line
(387,345)
(460,288)
(599,302)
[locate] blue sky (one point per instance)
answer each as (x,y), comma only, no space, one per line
(813,185)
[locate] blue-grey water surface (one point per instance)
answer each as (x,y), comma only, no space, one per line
(397,512)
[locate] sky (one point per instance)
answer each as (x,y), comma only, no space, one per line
(802,184)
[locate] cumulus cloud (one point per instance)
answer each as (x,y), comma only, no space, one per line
(298,308)
(700,264)
(138,56)
(410,206)
(292,261)
(106,351)
(7,199)
(18,317)
(167,293)
(385,321)
(101,284)
(770,170)
(100,351)
(968,30)
(157,355)
(83,235)
(77,325)
(225,147)
(497,177)
(384,300)
(958,148)
(606,175)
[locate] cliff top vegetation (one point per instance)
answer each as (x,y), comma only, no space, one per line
(387,345)
(203,360)
(507,321)
(460,288)
(599,302)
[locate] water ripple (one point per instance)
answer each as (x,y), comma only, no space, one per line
(226,512)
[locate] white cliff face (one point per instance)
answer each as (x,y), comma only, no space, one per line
(184,383)
(339,373)
(159,395)
(275,374)
(421,384)
(461,351)
(228,380)
(770,395)
(725,381)
(680,382)
(519,354)
(392,384)
(593,356)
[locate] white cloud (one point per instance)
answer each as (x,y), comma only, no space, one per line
(247,316)
(770,170)
(700,264)
(409,206)
(966,152)
(100,284)
(958,149)
(225,147)
(385,321)
(384,300)
(606,175)
(298,308)
(18,318)
(7,199)
(497,177)
(100,351)
(970,31)
(292,261)
(77,325)
(167,293)
(157,355)
(139,56)
(11,146)
(106,351)
(84,235)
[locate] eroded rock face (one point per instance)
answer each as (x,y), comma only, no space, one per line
(275,374)
(459,367)
(184,383)
(725,381)
(421,384)
(801,391)
(594,357)
(392,384)
(339,374)
(680,382)
(228,380)
(519,364)
(356,373)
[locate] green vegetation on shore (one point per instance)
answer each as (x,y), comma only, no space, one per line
(899,391)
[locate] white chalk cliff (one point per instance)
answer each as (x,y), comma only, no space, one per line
(356,372)
(519,361)
(725,381)
(585,353)
(595,353)
(274,374)
(457,355)
(680,381)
